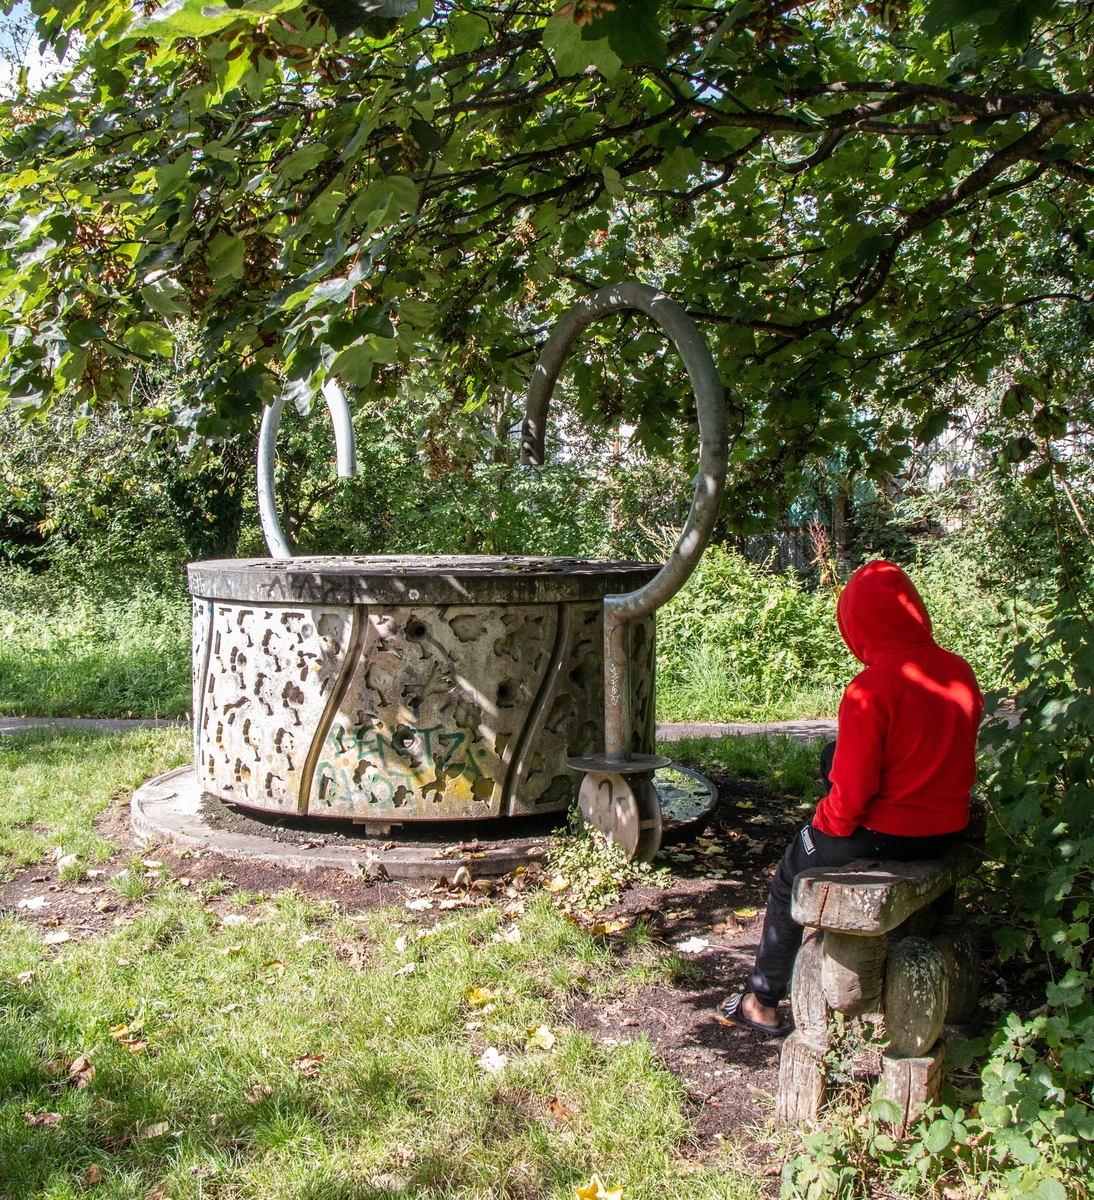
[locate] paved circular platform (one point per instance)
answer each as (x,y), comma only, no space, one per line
(172,807)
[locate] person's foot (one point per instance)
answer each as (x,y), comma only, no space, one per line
(760,1013)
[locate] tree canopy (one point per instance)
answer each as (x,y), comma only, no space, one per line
(854,200)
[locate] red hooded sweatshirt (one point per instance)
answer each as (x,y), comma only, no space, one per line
(906,752)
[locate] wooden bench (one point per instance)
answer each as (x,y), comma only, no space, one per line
(880,938)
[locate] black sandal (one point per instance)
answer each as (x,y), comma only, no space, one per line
(730,1008)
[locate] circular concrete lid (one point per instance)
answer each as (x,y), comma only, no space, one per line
(416,579)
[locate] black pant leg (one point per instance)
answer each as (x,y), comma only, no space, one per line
(782,935)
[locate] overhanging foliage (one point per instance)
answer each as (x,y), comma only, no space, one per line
(851,199)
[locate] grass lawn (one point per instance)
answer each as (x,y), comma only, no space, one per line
(211,1042)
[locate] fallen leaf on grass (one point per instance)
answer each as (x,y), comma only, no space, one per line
(307,1064)
(257,1092)
(32,902)
(454,902)
(57,938)
(91,1176)
(156,1130)
(606,928)
(81,1071)
(539,1037)
(234,919)
(44,1118)
(479,996)
(400,943)
(302,941)
(229,950)
(158,1194)
(512,935)
(595,1190)
(419,905)
(462,878)
(692,945)
(403,1155)
(492,1061)
(747,913)
(128,1036)
(559,1110)
(558,884)
(24,977)
(409,969)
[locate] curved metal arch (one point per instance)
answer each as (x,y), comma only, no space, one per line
(709,479)
(276,542)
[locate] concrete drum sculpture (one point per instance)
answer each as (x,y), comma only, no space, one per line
(393,689)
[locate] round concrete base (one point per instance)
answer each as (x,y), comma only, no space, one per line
(173,808)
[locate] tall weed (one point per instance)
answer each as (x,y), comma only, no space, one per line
(76,654)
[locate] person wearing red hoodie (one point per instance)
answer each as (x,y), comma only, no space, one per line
(904,764)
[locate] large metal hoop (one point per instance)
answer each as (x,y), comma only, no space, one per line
(276,542)
(709,479)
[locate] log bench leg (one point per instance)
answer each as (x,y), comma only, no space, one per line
(801,1068)
(853,972)
(801,1082)
(912,1084)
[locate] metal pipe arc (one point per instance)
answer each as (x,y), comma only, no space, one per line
(346,446)
(710,409)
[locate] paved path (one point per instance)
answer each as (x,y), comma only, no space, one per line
(99,724)
(673,731)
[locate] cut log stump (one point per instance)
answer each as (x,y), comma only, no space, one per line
(916,996)
(853,971)
(954,941)
(801,1082)
(912,1084)
(811,1012)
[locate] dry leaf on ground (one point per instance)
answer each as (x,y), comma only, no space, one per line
(605,928)
(692,945)
(595,1190)
(478,996)
(559,884)
(44,1118)
(91,1176)
(156,1130)
(559,1110)
(307,1064)
(258,1092)
(409,969)
(31,903)
(81,1071)
(419,905)
(539,1037)
(57,937)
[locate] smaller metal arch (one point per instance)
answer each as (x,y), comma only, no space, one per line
(709,479)
(344,440)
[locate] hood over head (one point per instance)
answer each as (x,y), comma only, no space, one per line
(880,611)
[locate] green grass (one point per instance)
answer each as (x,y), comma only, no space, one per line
(198,1033)
(93,657)
(791,768)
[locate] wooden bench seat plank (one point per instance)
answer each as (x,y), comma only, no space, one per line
(874,897)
